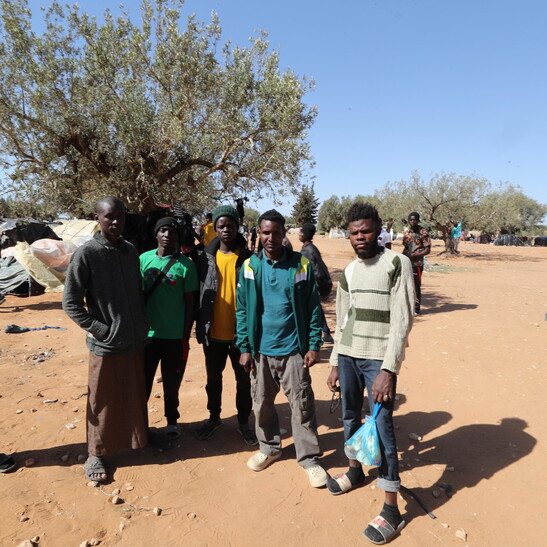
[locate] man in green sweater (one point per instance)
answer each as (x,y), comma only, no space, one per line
(279,336)
(374,311)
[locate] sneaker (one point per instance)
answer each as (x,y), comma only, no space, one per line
(317,475)
(259,461)
(207,429)
(249,437)
(328,339)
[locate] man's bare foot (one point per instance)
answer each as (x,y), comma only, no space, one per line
(94,469)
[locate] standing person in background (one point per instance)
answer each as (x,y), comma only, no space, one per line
(417,244)
(384,239)
(208,230)
(374,305)
(320,272)
(170,283)
(279,336)
(103,296)
(456,235)
(218,268)
(253,239)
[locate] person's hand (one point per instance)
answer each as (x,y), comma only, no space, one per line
(247,362)
(310,358)
(332,380)
(382,387)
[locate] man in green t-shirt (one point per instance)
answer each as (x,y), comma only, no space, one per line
(170,310)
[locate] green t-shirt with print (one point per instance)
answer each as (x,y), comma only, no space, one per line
(166,305)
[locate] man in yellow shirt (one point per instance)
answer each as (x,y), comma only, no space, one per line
(218,271)
(208,230)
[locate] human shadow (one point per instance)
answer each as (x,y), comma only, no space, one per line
(436,303)
(470,454)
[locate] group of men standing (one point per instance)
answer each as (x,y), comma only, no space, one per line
(262,311)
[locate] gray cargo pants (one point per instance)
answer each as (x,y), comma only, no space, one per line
(289,373)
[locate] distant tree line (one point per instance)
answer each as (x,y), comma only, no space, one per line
(444,200)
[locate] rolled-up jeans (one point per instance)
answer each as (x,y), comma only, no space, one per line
(354,375)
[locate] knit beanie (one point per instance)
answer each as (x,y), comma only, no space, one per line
(225,211)
(308,230)
(165,221)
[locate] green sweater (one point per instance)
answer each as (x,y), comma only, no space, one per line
(304,299)
(374,309)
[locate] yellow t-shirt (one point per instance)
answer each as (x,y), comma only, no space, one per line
(224,309)
(208,233)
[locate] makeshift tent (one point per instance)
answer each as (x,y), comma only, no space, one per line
(75,230)
(507,240)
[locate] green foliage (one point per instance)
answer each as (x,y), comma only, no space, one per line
(251,217)
(333,211)
(305,208)
(446,199)
(146,111)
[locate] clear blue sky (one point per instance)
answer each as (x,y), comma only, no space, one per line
(403,85)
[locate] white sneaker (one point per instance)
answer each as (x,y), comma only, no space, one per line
(317,475)
(259,461)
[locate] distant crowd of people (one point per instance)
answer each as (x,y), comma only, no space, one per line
(259,307)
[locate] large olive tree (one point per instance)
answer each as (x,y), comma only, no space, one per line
(148,111)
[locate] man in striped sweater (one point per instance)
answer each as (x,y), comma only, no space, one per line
(374,311)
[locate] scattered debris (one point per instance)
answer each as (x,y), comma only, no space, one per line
(24,518)
(116,492)
(92,484)
(70,426)
(191,515)
(158,379)
(156,511)
(461,534)
(19,411)
(116,500)
(48,401)
(414,436)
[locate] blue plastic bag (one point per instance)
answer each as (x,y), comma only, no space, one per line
(364,444)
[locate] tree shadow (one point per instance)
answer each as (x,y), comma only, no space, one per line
(499,257)
(37,306)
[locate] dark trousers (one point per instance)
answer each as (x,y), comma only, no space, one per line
(417,271)
(324,324)
(170,353)
(216,354)
(354,376)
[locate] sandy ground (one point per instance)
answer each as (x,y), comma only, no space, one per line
(472,386)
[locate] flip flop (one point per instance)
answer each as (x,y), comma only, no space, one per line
(7,463)
(95,466)
(173,431)
(385,528)
(340,484)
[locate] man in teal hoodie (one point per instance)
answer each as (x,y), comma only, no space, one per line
(279,336)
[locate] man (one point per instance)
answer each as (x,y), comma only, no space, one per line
(456,235)
(169,282)
(279,336)
(208,230)
(384,239)
(374,304)
(103,296)
(417,244)
(218,267)
(320,272)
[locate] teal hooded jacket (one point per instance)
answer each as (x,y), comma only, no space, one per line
(304,299)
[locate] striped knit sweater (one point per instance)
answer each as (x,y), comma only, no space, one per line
(374,309)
